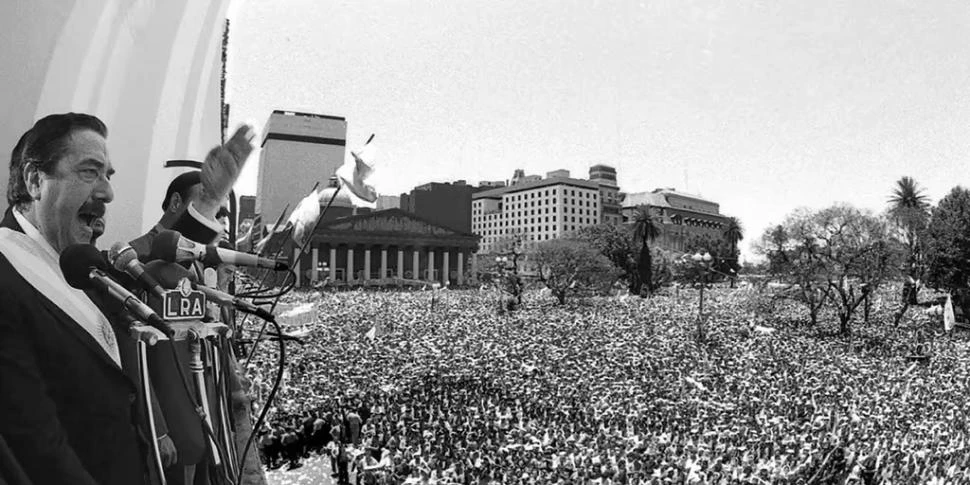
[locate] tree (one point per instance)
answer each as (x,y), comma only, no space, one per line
(733,234)
(948,246)
(909,213)
(503,265)
(794,260)
(908,195)
(841,253)
(617,244)
(568,266)
(646,228)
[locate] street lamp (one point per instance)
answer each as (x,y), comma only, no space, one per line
(507,265)
(700,266)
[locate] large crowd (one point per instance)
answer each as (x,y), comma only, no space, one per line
(615,391)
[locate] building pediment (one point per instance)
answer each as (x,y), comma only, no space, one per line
(391,221)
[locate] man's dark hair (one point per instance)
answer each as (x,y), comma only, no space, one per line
(43,145)
(181,185)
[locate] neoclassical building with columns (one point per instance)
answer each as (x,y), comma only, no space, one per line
(389,246)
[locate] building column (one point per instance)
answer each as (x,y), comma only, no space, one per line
(366,263)
(446,268)
(383,262)
(333,264)
(296,267)
(315,255)
(350,263)
(400,263)
(416,269)
(475,267)
(431,265)
(461,267)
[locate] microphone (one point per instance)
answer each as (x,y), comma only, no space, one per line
(84,268)
(169,274)
(227,300)
(171,246)
(124,258)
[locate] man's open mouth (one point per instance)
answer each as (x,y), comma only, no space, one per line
(94,221)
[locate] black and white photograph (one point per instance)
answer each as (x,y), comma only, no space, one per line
(498,242)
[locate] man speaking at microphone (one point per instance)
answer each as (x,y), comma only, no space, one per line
(66,406)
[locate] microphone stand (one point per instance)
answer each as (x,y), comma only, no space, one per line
(144,336)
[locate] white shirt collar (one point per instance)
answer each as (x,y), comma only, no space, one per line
(35,234)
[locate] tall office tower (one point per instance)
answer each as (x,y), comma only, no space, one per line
(298,150)
(605,177)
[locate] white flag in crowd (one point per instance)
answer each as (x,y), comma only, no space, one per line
(304,217)
(355,172)
(949,319)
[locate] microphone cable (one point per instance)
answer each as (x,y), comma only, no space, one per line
(269,399)
(207,430)
(261,293)
(262,329)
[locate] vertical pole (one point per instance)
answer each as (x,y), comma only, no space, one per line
(461,267)
(314,264)
(222,394)
(383,262)
(146,390)
(416,268)
(350,264)
(446,268)
(197,370)
(333,264)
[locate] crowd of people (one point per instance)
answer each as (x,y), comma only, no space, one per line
(613,391)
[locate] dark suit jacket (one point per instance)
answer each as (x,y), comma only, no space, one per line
(66,409)
(10,471)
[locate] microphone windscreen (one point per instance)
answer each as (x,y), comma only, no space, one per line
(115,251)
(165,246)
(76,263)
(120,259)
(169,274)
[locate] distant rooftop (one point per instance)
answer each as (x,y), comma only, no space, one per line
(673,191)
(499,192)
(311,115)
(646,198)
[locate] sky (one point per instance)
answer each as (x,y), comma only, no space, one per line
(762,106)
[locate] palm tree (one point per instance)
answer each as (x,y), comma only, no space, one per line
(908,195)
(646,228)
(909,208)
(733,233)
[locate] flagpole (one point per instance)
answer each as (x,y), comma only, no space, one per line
(263,279)
(303,246)
(276,301)
(279,220)
(299,256)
